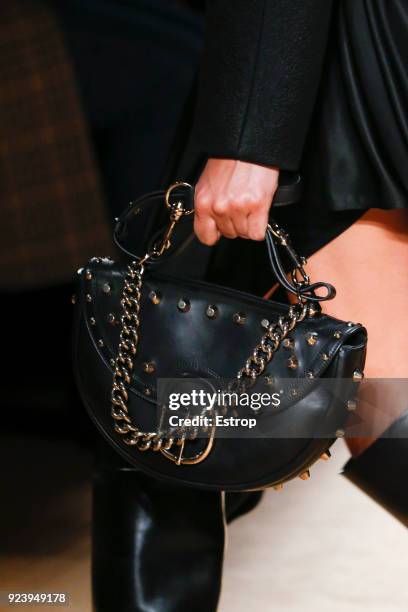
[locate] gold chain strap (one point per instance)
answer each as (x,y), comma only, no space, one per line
(271,341)
(128,345)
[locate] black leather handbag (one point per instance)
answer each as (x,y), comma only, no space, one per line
(136,325)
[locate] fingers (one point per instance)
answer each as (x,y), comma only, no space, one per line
(233,199)
(257,223)
(221,212)
(231,216)
(205,228)
(212,219)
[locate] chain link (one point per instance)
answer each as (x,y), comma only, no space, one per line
(254,366)
(129,338)
(270,343)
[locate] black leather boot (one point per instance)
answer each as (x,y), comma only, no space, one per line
(381,470)
(156,547)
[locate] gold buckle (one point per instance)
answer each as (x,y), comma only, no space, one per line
(180,459)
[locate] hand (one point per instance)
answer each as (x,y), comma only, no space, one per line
(233,198)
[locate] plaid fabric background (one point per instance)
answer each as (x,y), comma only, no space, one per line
(53,216)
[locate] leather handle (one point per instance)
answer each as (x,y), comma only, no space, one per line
(287,192)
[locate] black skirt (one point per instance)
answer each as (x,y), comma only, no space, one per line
(357,151)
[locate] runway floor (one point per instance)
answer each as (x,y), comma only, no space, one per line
(316,546)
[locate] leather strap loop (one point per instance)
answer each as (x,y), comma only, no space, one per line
(307,291)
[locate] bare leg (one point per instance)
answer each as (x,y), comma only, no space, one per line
(368,264)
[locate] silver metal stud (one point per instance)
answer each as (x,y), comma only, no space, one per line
(351,405)
(88,275)
(112,362)
(288,343)
(92,321)
(337,334)
(239,318)
(311,338)
(73,298)
(340,433)
(325,357)
(183,305)
(147,391)
(111,318)
(269,380)
(292,363)
(265,323)
(211,312)
(106,288)
(294,392)
(309,374)
(155,297)
(350,323)
(149,367)
(88,297)
(358,375)
(100,343)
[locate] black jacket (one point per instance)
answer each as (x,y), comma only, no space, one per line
(259,78)
(261,71)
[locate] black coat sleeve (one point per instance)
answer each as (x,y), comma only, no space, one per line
(259,77)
